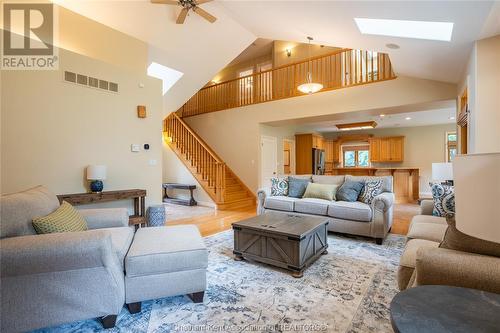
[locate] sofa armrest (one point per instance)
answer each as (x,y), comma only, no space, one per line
(382,214)
(57,252)
(262,194)
(426,207)
(460,269)
(105,217)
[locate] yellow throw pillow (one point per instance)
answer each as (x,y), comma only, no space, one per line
(64,219)
(321,191)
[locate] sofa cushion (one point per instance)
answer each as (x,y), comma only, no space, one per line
(312,206)
(386,187)
(297,186)
(121,238)
(428,231)
(280,203)
(349,191)
(19,209)
(321,191)
(322,179)
(428,219)
(409,257)
(64,219)
(356,211)
(166,249)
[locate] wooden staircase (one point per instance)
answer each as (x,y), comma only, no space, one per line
(217,179)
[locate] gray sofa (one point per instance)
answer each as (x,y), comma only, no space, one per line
(57,278)
(356,218)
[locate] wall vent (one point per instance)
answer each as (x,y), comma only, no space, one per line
(90,81)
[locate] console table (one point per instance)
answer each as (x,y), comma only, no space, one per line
(139,197)
(185,202)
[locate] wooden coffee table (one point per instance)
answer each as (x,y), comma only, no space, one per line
(284,240)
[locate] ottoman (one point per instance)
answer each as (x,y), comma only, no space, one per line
(165,261)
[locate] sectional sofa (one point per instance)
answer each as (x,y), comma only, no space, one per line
(356,218)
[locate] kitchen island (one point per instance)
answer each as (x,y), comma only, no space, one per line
(406,179)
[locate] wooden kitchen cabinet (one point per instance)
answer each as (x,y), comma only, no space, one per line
(317,141)
(332,151)
(387,149)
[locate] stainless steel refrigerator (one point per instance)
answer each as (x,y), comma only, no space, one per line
(318,161)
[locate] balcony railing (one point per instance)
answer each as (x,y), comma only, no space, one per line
(340,69)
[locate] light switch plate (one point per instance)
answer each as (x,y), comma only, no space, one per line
(135,147)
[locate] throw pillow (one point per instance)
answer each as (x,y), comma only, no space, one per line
(297,187)
(321,191)
(444,199)
(279,186)
(349,191)
(64,219)
(458,241)
(371,189)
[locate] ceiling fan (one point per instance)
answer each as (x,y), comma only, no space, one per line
(188,5)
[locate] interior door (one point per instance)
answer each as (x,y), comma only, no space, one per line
(268,159)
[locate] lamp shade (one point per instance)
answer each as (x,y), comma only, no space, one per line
(442,171)
(477,195)
(96,172)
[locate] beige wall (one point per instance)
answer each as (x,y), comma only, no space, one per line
(84,36)
(482,80)
(51,130)
(232,72)
(424,145)
(487,112)
(174,171)
(300,51)
(234,134)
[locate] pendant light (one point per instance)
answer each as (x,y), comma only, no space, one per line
(309,87)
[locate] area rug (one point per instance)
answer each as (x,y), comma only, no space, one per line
(178,212)
(347,290)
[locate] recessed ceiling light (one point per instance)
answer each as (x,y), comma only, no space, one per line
(392,46)
(451,118)
(408,29)
(382,115)
(408,118)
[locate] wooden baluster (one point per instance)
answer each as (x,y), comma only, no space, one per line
(371,53)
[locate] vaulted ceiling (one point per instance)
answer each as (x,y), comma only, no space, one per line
(200,49)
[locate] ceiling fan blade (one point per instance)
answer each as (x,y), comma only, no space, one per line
(210,18)
(199,2)
(166,2)
(182,16)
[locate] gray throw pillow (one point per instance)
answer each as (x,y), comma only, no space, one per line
(349,191)
(297,187)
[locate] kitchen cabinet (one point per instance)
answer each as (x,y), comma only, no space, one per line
(387,149)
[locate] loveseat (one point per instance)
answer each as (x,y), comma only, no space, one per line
(356,218)
(56,278)
(425,263)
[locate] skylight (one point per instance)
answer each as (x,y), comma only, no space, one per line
(408,29)
(168,75)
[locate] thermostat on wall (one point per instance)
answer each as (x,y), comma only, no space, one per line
(135,148)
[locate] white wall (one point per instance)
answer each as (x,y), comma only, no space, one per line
(235,134)
(51,130)
(174,171)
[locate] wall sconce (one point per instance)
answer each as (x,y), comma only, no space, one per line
(288,52)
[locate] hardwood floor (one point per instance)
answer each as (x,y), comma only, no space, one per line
(218,221)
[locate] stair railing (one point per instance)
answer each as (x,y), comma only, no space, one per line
(339,69)
(203,160)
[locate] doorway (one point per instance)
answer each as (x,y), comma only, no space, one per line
(288,157)
(268,159)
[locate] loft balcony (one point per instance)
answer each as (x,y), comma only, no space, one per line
(342,68)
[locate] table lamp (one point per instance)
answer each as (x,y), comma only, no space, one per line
(477,195)
(96,174)
(443,172)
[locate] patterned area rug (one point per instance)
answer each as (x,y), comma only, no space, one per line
(347,290)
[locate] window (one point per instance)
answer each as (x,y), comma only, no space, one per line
(356,156)
(168,75)
(451,146)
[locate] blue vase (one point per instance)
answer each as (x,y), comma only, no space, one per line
(156,216)
(96,186)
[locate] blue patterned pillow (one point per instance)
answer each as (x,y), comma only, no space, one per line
(279,186)
(444,199)
(371,190)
